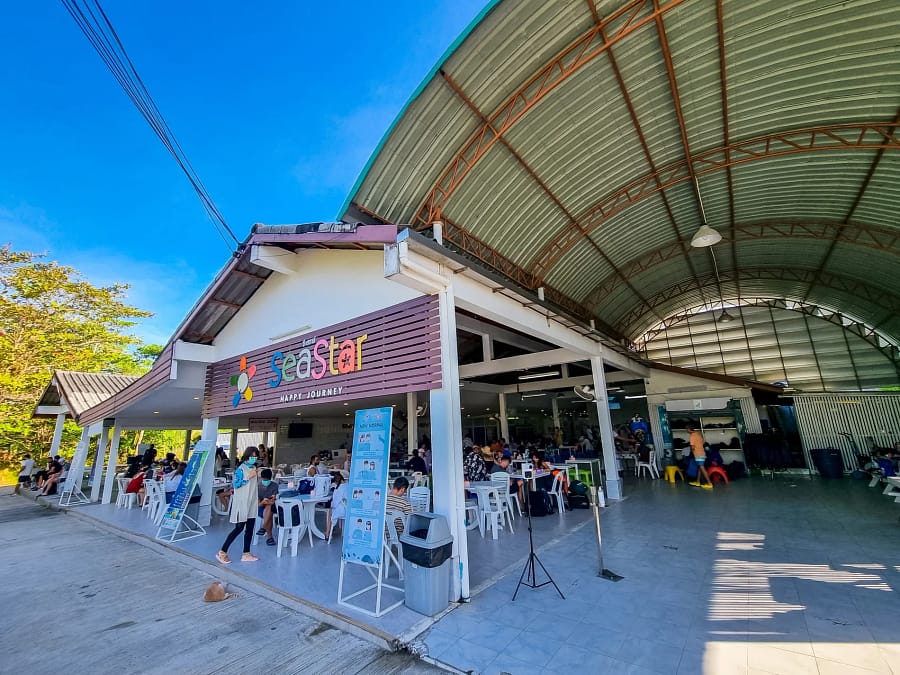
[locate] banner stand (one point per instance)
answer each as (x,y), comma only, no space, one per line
(364,540)
(377,587)
(176,525)
(71,494)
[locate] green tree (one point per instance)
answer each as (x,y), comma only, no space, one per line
(51,318)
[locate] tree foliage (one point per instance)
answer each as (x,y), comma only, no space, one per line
(51,318)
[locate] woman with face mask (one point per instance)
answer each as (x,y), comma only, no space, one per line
(244,505)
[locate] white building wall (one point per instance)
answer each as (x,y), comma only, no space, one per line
(329,286)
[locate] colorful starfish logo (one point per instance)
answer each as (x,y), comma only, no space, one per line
(242,382)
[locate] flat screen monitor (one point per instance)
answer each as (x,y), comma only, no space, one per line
(300,430)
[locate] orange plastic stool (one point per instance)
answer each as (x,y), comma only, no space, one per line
(672,471)
(714,471)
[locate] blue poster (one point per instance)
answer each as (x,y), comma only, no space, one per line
(182,497)
(367,488)
(664,426)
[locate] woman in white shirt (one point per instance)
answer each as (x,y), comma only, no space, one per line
(172,481)
(244,506)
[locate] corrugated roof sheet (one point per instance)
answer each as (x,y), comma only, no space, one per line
(82,391)
(812,90)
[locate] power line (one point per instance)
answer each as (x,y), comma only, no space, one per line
(99,31)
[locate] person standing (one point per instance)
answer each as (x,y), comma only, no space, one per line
(25,472)
(699,454)
(244,505)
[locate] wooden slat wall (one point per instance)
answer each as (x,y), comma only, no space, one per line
(159,373)
(401,354)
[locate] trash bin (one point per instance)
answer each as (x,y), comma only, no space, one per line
(828,462)
(427,552)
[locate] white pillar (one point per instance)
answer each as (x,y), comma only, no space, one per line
(613,482)
(57,434)
(99,458)
(209,433)
(504,423)
(446,446)
(555,406)
(111,465)
(186,449)
(233,451)
(412,421)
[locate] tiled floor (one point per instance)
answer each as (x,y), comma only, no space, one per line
(313,574)
(785,576)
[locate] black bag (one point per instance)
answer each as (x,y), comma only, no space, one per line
(539,501)
(306,486)
(576,487)
(577,501)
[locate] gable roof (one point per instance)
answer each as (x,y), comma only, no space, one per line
(80,391)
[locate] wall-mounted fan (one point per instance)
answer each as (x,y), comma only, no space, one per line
(585,393)
(421,409)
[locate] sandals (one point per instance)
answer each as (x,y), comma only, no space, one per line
(270,541)
(223,558)
(249,557)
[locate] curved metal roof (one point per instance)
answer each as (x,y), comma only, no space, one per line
(577,145)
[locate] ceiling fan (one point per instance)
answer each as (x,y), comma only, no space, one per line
(585,393)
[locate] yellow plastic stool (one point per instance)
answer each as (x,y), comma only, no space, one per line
(585,477)
(672,471)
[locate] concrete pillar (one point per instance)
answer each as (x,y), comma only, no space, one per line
(99,461)
(111,465)
(209,432)
(57,434)
(555,406)
(96,472)
(446,446)
(613,482)
(504,422)
(233,450)
(186,449)
(412,421)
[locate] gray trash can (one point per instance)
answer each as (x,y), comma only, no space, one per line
(427,552)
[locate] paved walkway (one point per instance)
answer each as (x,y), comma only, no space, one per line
(127,608)
(785,576)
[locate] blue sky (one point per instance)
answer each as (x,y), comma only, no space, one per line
(278,105)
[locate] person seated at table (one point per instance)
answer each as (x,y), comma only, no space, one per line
(54,473)
(541,464)
(397,501)
(502,466)
(473,464)
(416,463)
(172,481)
(488,456)
(338,507)
(136,484)
(268,492)
(313,469)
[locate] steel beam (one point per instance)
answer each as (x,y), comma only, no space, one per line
(623,22)
(846,137)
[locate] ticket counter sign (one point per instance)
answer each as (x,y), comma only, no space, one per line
(367,487)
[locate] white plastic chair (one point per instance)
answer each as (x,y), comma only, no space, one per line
(125,499)
(473,520)
(556,492)
(392,542)
(289,518)
(501,480)
(420,499)
(649,466)
(321,485)
(419,480)
(490,510)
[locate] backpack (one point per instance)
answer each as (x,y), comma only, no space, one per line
(539,502)
(576,487)
(306,486)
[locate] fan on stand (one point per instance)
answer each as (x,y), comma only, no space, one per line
(585,393)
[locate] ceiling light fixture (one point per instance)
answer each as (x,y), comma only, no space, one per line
(705,236)
(534,394)
(637,396)
(536,376)
(725,317)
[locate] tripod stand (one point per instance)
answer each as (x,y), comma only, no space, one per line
(529,573)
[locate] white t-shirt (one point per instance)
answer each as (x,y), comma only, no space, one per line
(27,467)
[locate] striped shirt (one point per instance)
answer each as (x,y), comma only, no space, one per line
(398,503)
